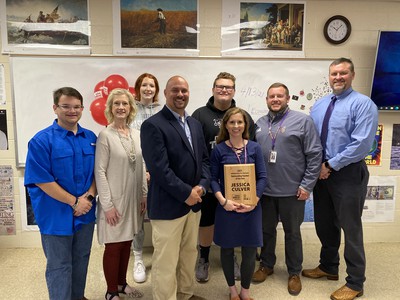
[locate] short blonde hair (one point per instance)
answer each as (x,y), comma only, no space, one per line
(133,109)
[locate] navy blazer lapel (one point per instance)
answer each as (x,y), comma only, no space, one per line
(193,133)
(174,122)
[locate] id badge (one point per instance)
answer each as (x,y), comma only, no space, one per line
(272,156)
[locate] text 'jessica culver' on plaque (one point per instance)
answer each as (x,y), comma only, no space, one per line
(240,183)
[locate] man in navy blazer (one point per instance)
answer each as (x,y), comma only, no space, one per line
(176,156)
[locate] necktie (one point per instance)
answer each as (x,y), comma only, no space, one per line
(324,130)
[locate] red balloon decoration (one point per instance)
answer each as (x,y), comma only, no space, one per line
(97,109)
(132,91)
(115,81)
(99,90)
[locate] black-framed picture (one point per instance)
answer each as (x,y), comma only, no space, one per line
(55,27)
(159,27)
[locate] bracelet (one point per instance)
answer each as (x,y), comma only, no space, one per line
(76,203)
(226,201)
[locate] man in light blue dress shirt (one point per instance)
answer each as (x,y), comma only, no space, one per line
(340,192)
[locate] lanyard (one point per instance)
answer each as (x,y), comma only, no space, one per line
(237,155)
(273,136)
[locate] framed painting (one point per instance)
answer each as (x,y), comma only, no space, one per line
(159,27)
(263,29)
(55,27)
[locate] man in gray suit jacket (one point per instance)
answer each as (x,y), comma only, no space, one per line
(176,156)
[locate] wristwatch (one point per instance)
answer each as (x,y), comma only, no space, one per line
(90,197)
(327,165)
(75,204)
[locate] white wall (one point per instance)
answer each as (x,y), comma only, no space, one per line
(367,18)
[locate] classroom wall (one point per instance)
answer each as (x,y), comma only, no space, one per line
(367,18)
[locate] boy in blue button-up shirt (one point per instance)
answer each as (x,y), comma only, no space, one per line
(59,176)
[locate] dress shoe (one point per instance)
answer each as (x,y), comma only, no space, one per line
(346,293)
(294,285)
(318,273)
(261,274)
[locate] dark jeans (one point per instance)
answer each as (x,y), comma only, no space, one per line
(67,262)
(338,204)
(290,212)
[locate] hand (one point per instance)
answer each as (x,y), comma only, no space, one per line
(325,172)
(143,206)
(83,207)
(231,205)
(199,190)
(148,178)
(302,194)
(112,216)
(243,208)
(194,196)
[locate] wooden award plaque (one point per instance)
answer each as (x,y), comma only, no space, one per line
(240,183)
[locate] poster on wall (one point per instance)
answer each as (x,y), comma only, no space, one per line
(158,27)
(7,212)
(395,151)
(374,155)
(45,27)
(3,130)
(263,29)
(2,86)
(380,201)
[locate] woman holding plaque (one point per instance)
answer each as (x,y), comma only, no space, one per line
(237,224)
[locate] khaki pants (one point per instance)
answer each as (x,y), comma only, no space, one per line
(174,257)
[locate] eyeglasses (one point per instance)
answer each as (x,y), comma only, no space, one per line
(68,107)
(228,88)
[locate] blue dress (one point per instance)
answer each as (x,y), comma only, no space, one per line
(234,229)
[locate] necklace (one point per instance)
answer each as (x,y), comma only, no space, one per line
(236,148)
(129,147)
(238,151)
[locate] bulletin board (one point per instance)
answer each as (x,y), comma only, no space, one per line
(35,78)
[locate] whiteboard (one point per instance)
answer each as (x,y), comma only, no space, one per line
(35,78)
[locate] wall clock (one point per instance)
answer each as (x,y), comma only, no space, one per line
(337,29)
